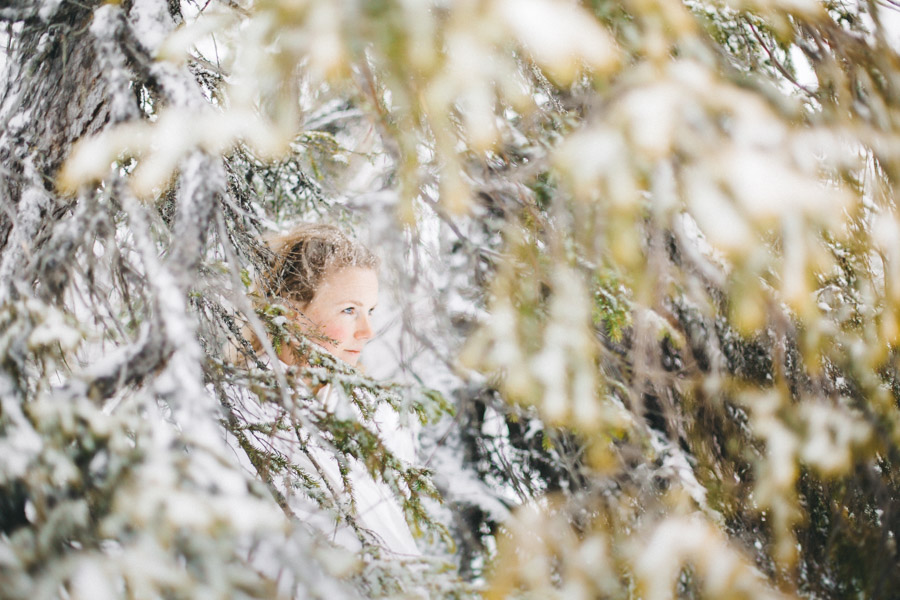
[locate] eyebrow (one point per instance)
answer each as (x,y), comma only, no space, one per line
(355,302)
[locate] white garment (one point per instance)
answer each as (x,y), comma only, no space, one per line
(377,510)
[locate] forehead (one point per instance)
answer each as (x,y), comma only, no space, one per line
(359,284)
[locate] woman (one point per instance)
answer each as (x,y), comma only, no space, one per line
(330,283)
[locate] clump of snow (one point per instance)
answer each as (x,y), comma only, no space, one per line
(678,541)
(48,9)
(52,328)
(832,434)
(538,25)
(151,22)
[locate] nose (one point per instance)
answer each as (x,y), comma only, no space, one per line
(363,328)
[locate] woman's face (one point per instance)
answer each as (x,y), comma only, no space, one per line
(340,311)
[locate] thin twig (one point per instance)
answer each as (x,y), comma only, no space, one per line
(776,62)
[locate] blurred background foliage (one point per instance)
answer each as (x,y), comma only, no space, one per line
(649,250)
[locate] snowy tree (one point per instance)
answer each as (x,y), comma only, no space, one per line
(648,251)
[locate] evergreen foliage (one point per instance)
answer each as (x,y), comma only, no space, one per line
(644,271)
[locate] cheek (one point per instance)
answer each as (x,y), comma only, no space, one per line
(337,330)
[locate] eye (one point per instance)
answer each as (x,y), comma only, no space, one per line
(349,310)
(371,310)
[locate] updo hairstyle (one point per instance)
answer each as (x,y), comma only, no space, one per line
(303,256)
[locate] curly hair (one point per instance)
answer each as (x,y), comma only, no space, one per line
(304,255)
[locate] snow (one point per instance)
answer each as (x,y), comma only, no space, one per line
(150,22)
(53,329)
(768,189)
(832,434)
(721,223)
(889,16)
(376,509)
(675,463)
(538,23)
(28,219)
(804,72)
(48,9)
(91,581)
(678,541)
(462,486)
(19,121)
(762,176)
(653,116)
(4,64)
(21,443)
(105,27)
(587,155)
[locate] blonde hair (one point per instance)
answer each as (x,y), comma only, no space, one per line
(303,256)
(298,261)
